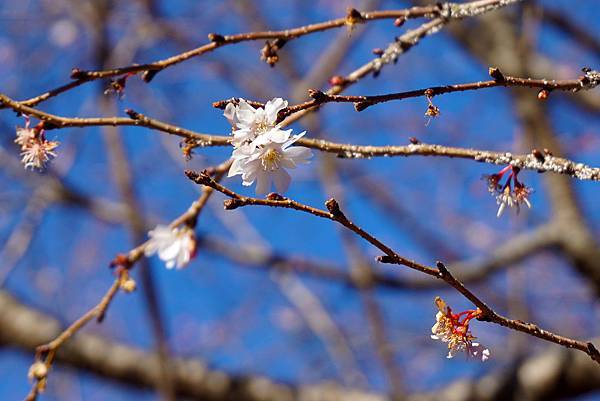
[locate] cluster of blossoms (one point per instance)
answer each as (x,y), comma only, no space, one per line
(453,329)
(175,246)
(36,151)
(512,193)
(262,150)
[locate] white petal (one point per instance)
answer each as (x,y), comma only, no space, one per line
(501,209)
(170,251)
(293,139)
(263,182)
(298,154)
(282,180)
(273,107)
(229,113)
(276,135)
(237,167)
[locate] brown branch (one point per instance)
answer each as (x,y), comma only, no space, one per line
(218,40)
(589,80)
(443,13)
(531,161)
(335,214)
(52,121)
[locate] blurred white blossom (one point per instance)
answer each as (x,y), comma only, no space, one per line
(175,246)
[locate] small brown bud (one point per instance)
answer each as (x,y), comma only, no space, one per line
(76,73)
(121,260)
(386,259)
(543,94)
(316,94)
(538,155)
(38,371)
(333,207)
(231,204)
(398,22)
(149,75)
(132,114)
(353,16)
(216,38)
(496,74)
(128,285)
(360,106)
(377,51)
(274,196)
(547,152)
(337,80)
(269,51)
(414,140)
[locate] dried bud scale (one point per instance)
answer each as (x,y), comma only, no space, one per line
(36,150)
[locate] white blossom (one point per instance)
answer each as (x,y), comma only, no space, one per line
(267,163)
(175,246)
(262,150)
(249,123)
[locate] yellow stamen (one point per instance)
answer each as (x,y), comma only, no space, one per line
(270,160)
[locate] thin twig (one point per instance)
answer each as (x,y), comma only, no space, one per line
(589,80)
(48,351)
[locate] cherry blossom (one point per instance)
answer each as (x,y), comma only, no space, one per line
(175,246)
